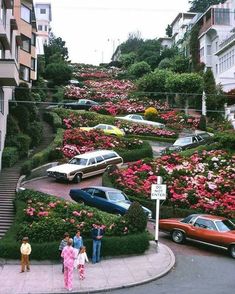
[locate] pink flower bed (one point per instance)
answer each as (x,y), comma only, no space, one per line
(202,181)
(76,141)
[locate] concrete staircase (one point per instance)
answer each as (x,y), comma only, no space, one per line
(8,182)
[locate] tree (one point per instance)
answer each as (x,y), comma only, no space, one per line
(169,31)
(136,217)
(186,85)
(127,59)
(202,5)
(139,69)
(55,46)
(132,44)
(154,82)
(58,73)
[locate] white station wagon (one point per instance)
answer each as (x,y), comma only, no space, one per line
(85,165)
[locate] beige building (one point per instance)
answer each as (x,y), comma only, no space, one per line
(17,53)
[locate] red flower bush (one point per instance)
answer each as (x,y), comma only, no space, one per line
(204,181)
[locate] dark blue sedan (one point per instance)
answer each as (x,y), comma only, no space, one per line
(104,198)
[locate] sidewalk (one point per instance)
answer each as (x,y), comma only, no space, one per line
(108,274)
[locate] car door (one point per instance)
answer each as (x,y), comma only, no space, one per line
(204,230)
(100,164)
(100,200)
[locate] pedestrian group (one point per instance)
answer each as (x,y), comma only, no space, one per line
(72,252)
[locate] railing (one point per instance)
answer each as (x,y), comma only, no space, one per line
(227,41)
(205,26)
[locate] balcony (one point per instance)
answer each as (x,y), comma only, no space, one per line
(227,41)
(206,25)
(9,74)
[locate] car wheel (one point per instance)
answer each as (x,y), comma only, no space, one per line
(78,178)
(178,236)
(232,251)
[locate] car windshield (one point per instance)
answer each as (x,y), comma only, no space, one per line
(117,196)
(78,161)
(182,141)
(189,219)
(225,225)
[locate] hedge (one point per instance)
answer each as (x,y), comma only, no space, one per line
(136,154)
(53,119)
(9,246)
(154,138)
(44,156)
(10,156)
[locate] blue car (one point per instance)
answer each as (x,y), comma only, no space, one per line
(104,198)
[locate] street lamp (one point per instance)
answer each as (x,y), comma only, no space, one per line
(114,43)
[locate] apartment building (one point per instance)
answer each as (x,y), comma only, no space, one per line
(217,42)
(43,16)
(17,53)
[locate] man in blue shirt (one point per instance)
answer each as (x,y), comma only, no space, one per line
(97,233)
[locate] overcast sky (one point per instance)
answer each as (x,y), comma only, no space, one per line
(93,28)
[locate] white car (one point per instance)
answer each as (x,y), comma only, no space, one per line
(140,119)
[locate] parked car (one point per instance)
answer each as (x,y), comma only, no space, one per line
(82,104)
(189,142)
(85,165)
(210,229)
(104,198)
(140,119)
(107,129)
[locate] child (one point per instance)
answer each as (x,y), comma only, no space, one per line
(68,255)
(63,243)
(25,250)
(82,257)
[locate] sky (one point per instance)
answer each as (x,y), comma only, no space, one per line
(92,29)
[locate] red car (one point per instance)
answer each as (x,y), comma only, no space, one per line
(209,229)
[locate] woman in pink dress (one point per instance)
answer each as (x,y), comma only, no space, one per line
(68,255)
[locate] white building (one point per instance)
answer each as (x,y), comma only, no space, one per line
(217,42)
(166,42)
(43,16)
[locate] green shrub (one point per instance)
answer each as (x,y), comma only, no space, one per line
(12,126)
(59,73)
(139,69)
(53,119)
(136,217)
(21,113)
(226,139)
(35,132)
(21,142)
(136,154)
(10,156)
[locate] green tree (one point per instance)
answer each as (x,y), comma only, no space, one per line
(58,73)
(180,64)
(169,31)
(202,5)
(128,59)
(136,217)
(185,85)
(139,69)
(132,44)
(154,82)
(56,47)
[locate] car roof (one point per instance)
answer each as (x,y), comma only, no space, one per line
(211,217)
(105,189)
(94,153)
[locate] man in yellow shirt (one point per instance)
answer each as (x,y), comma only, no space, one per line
(25,250)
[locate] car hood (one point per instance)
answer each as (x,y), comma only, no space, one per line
(65,168)
(126,204)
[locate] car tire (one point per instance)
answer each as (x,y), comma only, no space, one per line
(232,251)
(178,236)
(78,178)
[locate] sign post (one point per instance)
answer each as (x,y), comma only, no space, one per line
(158,192)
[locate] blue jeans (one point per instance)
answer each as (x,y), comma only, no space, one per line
(96,251)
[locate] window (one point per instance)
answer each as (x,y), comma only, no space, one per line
(3,13)
(99,159)
(205,224)
(2,51)
(33,39)
(91,161)
(208,50)
(25,13)
(45,28)
(26,43)
(42,11)
(100,194)
(33,63)
(24,73)
(222,16)
(16,51)
(40,27)
(1,101)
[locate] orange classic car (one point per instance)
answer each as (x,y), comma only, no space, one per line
(209,229)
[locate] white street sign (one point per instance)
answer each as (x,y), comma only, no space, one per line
(158,192)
